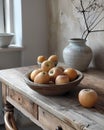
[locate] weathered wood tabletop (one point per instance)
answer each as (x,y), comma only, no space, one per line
(66,107)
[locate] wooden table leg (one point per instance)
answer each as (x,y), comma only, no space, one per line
(9,120)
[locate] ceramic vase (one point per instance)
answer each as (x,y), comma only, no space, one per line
(77,54)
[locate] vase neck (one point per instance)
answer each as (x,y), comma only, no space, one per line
(78,40)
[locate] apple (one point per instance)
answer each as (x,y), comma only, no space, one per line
(42,77)
(61,79)
(87,97)
(47,65)
(34,73)
(40,59)
(54,59)
(72,73)
(54,72)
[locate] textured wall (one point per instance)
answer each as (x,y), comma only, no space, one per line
(35,30)
(64,23)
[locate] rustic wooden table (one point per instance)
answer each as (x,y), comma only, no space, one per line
(52,112)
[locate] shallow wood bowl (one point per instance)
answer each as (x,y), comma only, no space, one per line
(53,89)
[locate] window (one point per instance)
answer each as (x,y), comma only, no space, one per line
(1,17)
(11,19)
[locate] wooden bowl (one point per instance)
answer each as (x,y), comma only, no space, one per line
(53,89)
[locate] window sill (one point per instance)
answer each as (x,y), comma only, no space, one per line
(11,48)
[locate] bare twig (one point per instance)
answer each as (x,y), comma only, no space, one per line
(83,12)
(92,15)
(95,19)
(97,23)
(97,31)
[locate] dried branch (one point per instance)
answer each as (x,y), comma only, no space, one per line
(95,19)
(92,15)
(83,12)
(97,23)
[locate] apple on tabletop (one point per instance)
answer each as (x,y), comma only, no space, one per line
(87,97)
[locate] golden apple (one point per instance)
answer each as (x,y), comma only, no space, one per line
(34,73)
(42,78)
(87,97)
(72,73)
(54,72)
(61,79)
(47,65)
(40,59)
(54,59)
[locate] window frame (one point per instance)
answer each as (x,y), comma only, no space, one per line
(1,16)
(12,20)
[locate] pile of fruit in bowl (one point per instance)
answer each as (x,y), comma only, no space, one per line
(50,78)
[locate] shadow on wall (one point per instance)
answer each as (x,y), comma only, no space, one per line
(98,60)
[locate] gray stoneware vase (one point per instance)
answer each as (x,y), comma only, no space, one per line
(77,54)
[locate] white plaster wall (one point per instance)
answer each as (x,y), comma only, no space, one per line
(64,24)
(35,30)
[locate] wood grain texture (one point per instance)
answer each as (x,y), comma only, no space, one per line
(51,122)
(24,102)
(66,107)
